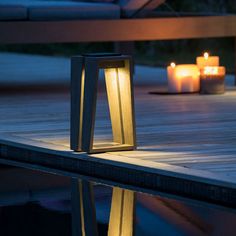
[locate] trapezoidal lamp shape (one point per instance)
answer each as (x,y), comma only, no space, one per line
(84,88)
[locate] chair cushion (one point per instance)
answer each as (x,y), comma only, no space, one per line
(66,10)
(97,0)
(52,10)
(12,12)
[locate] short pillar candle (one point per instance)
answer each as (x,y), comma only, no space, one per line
(183,78)
(207,60)
(212,80)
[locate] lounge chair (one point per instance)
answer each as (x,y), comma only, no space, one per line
(34,10)
(32,21)
(67,21)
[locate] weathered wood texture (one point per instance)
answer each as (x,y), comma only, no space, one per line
(186,143)
(118,30)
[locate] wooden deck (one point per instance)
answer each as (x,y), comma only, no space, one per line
(186,143)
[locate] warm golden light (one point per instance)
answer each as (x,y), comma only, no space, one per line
(207,60)
(210,70)
(172,64)
(120,104)
(206,55)
(183,78)
(181,74)
(186,71)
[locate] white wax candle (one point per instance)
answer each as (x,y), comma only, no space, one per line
(187,84)
(207,60)
(183,78)
(173,84)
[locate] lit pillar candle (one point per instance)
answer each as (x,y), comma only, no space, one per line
(173,84)
(183,78)
(212,80)
(207,60)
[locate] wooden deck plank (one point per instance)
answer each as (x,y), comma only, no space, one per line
(189,139)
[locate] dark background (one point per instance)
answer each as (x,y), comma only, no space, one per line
(157,53)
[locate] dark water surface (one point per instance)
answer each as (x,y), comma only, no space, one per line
(38,204)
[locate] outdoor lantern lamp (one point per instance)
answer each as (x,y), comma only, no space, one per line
(84,84)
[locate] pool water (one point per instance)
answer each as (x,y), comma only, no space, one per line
(38,204)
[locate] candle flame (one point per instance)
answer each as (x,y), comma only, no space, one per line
(172,64)
(206,55)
